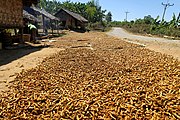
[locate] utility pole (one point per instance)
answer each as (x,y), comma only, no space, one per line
(165,8)
(126,15)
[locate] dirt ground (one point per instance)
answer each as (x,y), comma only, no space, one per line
(14,61)
(93,76)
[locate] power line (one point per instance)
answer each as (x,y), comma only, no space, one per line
(165,8)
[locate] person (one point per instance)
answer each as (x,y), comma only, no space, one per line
(33,30)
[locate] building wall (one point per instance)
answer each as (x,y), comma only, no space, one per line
(70,21)
(11,13)
(62,15)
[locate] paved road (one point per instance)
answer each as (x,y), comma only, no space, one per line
(165,46)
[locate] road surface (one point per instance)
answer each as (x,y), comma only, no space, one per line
(165,46)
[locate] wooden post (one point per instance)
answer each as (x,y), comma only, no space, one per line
(15,31)
(51,21)
(52,31)
(21,36)
(57,27)
(43,21)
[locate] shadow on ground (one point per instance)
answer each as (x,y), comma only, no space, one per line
(16,52)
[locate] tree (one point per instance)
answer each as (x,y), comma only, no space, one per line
(42,4)
(90,13)
(174,22)
(148,19)
(90,10)
(109,17)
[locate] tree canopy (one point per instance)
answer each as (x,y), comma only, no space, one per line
(90,10)
(109,17)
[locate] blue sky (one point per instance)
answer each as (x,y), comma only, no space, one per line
(137,8)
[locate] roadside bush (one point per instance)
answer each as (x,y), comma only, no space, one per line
(149,25)
(100,26)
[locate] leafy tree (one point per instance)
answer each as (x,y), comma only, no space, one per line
(50,6)
(149,25)
(42,4)
(148,19)
(91,10)
(174,22)
(95,11)
(109,17)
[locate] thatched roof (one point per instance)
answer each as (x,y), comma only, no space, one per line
(11,13)
(74,15)
(29,16)
(45,13)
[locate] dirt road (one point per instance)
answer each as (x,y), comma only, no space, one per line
(165,46)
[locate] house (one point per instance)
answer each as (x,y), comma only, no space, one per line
(47,19)
(70,19)
(29,16)
(11,12)
(11,16)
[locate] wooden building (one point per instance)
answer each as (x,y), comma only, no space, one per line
(46,19)
(11,12)
(29,16)
(70,19)
(11,15)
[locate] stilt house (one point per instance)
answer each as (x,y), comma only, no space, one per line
(47,19)
(11,13)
